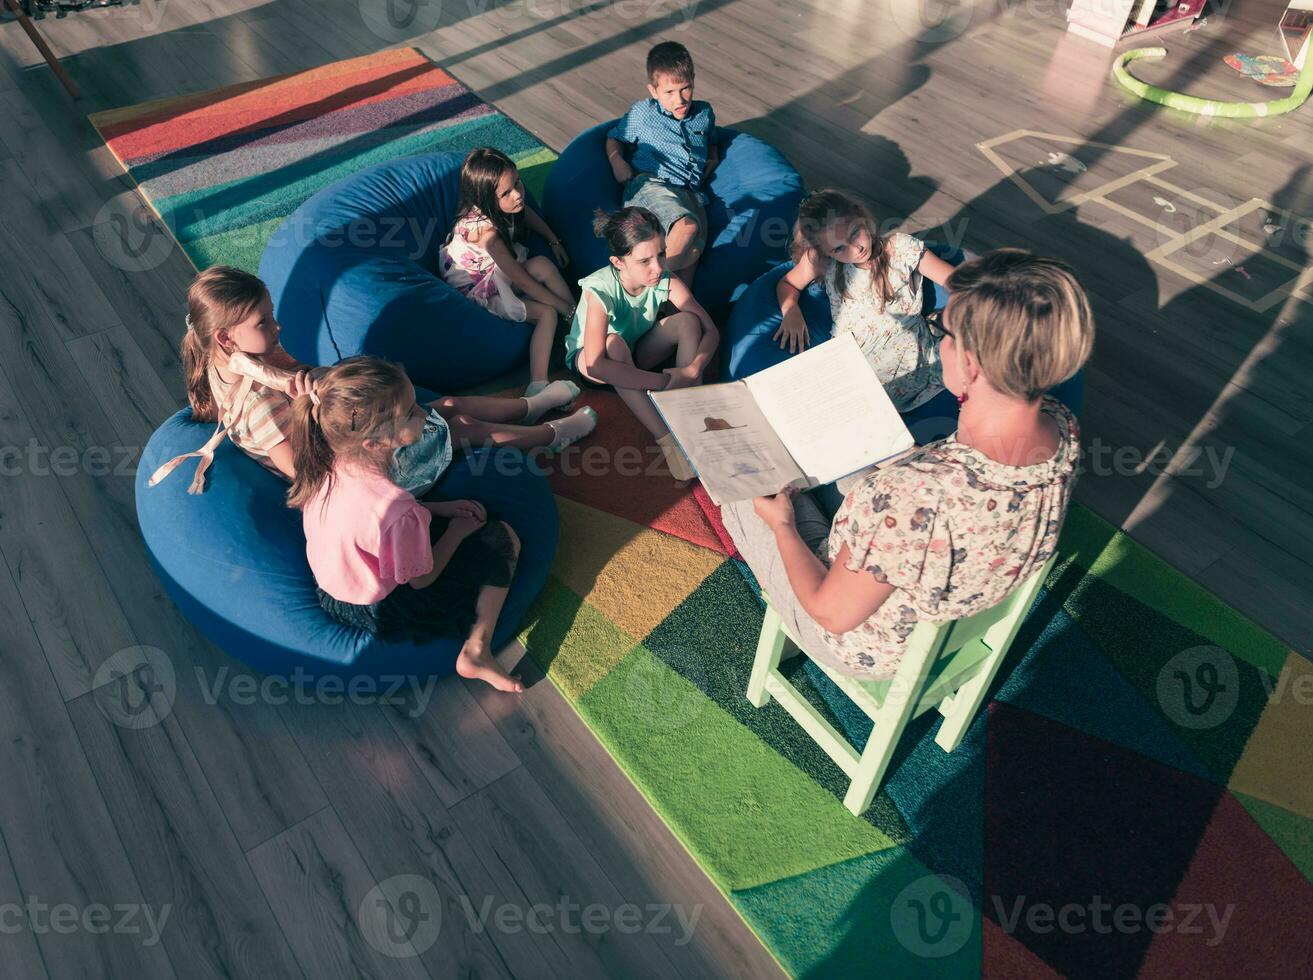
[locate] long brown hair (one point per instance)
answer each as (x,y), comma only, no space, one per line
(354,400)
(482,170)
(821,209)
(219,298)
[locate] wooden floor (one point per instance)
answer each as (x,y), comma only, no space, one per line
(263,827)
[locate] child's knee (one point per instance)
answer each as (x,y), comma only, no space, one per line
(685,321)
(539,266)
(618,350)
(683,232)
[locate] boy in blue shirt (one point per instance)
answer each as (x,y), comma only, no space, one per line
(674,151)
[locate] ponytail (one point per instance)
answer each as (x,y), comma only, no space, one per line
(195,372)
(312,456)
(353,400)
(626,229)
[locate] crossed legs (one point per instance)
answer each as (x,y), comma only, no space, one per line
(679,334)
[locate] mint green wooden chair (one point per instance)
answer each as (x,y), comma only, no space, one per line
(948,666)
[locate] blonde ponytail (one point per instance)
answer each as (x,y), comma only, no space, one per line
(195,372)
(312,456)
(354,400)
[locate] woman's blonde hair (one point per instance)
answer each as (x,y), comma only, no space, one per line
(354,400)
(218,299)
(1025,319)
(821,209)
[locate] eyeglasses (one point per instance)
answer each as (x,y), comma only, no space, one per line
(935,325)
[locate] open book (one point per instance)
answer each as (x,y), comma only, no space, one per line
(818,416)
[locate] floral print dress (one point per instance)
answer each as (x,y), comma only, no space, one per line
(471,270)
(953,531)
(893,335)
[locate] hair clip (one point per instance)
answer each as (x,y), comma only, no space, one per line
(190,325)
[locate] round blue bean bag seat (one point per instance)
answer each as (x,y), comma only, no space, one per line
(756,317)
(233,558)
(354,270)
(752,203)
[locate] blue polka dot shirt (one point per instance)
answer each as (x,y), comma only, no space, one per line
(673,149)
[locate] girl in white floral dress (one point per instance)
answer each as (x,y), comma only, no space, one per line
(486,261)
(874,286)
(951,530)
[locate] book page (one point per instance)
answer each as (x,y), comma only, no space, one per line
(829,409)
(728,440)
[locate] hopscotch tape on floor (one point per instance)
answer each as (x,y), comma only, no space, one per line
(1299,284)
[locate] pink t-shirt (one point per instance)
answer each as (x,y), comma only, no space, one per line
(366,536)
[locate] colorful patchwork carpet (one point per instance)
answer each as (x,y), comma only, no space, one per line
(224,168)
(1135,800)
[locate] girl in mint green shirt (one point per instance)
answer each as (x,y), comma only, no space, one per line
(619,336)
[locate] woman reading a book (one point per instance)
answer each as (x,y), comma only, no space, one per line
(950,530)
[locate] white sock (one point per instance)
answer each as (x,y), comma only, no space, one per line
(572,428)
(548,396)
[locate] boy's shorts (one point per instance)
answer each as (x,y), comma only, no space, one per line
(669,202)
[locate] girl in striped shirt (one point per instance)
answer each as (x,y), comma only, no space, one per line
(239,376)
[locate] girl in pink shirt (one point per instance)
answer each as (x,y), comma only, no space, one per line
(238,375)
(384,561)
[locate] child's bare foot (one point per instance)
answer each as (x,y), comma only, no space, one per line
(476,663)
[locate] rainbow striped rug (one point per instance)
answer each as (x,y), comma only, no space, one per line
(1136,799)
(223,169)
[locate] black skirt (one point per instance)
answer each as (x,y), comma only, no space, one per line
(447,605)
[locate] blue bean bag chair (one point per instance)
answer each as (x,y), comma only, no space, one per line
(353,270)
(233,558)
(756,317)
(753,201)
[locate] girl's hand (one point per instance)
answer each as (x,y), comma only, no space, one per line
(559,253)
(302,383)
(681,378)
(458,508)
(462,527)
(792,334)
(776,511)
(566,309)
